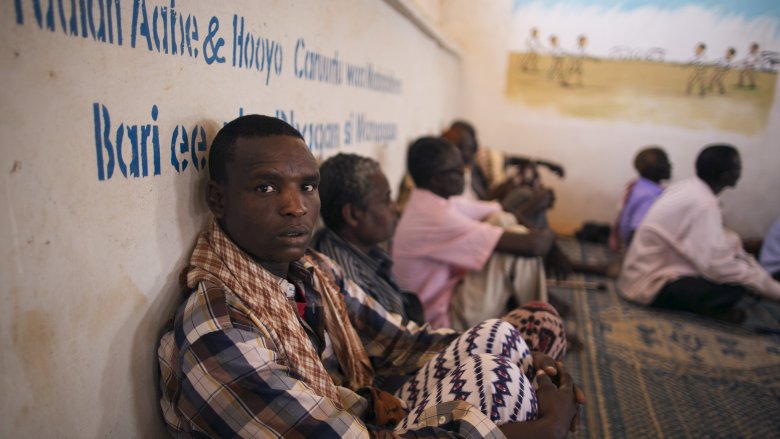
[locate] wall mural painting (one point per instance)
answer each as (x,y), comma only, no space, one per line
(693,63)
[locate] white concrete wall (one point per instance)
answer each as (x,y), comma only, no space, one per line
(597,155)
(90,262)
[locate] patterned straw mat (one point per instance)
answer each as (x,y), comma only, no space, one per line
(656,374)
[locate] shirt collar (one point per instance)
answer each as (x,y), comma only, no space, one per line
(376,259)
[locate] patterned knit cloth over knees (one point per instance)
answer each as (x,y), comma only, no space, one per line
(489,366)
(541,328)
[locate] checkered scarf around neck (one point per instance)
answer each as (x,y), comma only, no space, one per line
(216,259)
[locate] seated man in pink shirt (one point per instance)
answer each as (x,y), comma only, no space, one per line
(681,256)
(463,268)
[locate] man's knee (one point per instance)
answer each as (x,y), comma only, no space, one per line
(509,394)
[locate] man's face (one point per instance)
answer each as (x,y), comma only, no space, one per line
(448,177)
(269,203)
(468,147)
(376,222)
(730,177)
(661,168)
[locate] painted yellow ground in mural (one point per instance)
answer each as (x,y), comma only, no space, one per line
(645,91)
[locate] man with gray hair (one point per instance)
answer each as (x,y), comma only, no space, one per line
(359,214)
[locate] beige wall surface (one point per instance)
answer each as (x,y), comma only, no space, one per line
(106,114)
(597,154)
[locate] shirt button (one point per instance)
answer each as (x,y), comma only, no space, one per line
(442,419)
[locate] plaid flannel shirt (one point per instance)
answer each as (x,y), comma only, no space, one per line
(222,375)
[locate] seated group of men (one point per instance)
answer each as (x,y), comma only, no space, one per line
(289,333)
(679,254)
(278,339)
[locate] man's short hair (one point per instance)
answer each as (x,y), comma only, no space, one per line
(425,156)
(714,160)
(252,125)
(461,124)
(344,179)
(649,155)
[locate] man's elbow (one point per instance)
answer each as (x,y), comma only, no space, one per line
(541,246)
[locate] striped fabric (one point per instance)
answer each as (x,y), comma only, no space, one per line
(489,366)
(373,271)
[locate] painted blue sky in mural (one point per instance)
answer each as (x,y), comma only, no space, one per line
(675,27)
(746,8)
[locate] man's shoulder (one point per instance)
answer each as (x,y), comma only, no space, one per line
(681,205)
(321,237)
(426,210)
(210,308)
(322,261)
(317,257)
(326,243)
(423,201)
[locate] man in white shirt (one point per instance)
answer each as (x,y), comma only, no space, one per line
(749,66)
(699,73)
(533,47)
(683,258)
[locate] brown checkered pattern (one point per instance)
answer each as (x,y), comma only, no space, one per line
(217,260)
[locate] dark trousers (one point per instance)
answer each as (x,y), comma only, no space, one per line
(698,295)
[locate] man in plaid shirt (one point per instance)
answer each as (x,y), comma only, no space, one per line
(273,340)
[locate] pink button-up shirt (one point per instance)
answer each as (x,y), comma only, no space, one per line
(683,235)
(436,242)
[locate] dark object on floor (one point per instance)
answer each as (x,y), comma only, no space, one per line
(594,232)
(573,344)
(562,307)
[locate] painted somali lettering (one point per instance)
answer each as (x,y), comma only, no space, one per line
(319,136)
(77,18)
(168,31)
(252,51)
(133,150)
(130,148)
(161,27)
(316,66)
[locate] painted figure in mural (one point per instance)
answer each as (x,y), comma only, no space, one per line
(749,65)
(533,47)
(699,74)
(682,257)
(577,60)
(720,68)
(274,340)
(557,71)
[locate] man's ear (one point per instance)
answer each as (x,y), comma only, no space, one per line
(433,184)
(215,198)
(349,213)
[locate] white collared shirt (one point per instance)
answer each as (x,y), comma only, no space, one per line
(683,235)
